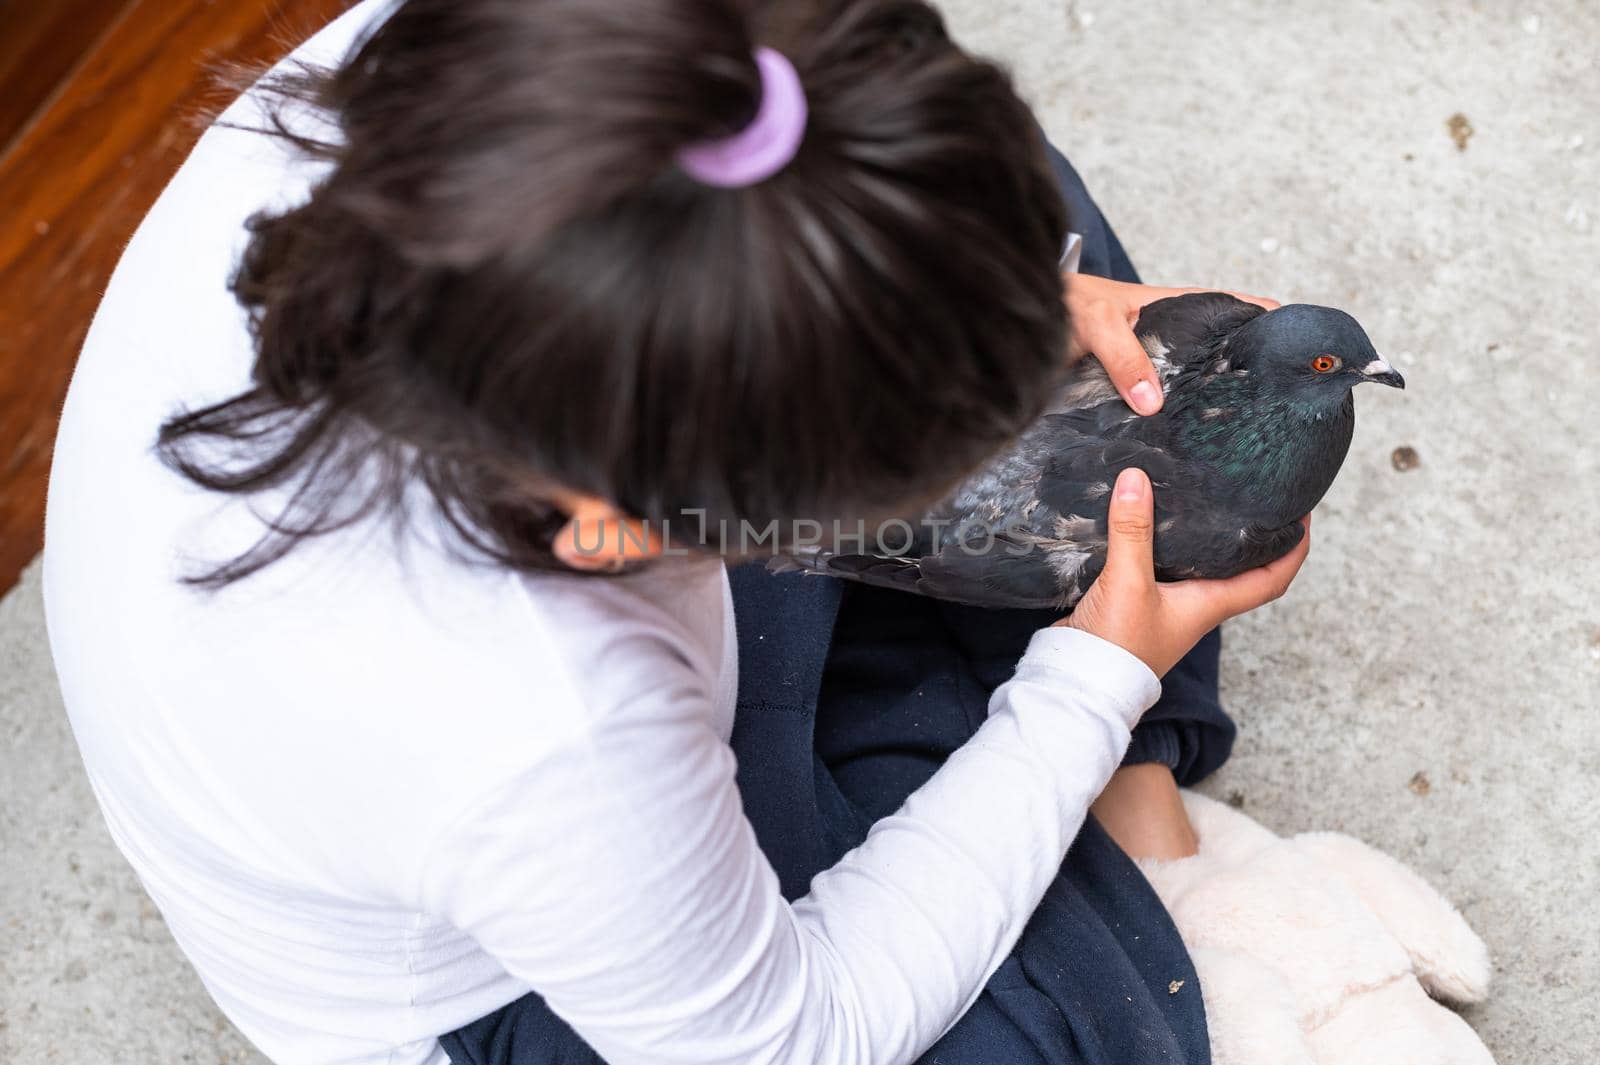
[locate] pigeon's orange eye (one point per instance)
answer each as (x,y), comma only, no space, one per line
(1325,364)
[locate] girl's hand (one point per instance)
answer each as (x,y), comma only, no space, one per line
(1101,314)
(1160,622)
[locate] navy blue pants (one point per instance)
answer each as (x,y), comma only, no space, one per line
(849,698)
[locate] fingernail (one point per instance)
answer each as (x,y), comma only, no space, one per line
(1130,485)
(1146,399)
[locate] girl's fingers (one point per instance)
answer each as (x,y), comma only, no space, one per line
(1130,532)
(1111,339)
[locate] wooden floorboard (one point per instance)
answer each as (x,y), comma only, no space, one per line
(75,183)
(40,46)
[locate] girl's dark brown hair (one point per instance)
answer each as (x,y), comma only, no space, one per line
(505,284)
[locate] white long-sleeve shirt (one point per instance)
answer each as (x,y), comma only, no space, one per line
(378,793)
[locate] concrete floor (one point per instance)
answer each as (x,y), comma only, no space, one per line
(1431,685)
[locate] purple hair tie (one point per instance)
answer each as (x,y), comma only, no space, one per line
(767,144)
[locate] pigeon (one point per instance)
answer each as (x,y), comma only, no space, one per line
(1257,420)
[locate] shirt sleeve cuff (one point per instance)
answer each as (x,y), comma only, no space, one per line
(1097,669)
(1071,253)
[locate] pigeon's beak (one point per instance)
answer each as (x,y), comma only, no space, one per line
(1380,371)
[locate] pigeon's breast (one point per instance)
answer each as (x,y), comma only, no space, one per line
(1270,461)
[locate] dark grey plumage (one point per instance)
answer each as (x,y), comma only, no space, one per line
(1256,423)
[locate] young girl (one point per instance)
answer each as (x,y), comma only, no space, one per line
(395,686)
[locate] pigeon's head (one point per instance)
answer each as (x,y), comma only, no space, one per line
(1316,352)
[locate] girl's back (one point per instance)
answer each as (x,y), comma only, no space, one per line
(278,759)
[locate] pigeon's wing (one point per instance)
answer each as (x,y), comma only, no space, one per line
(1007,573)
(1183,331)
(1042,543)
(1028,531)
(1203,547)
(1178,333)
(1196,533)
